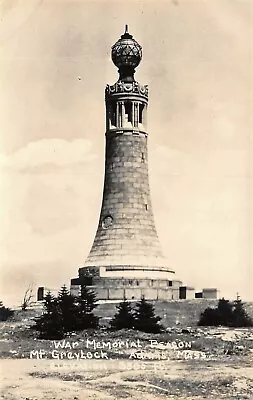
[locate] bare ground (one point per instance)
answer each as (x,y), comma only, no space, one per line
(219,365)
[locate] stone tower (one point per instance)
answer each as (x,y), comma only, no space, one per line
(126,259)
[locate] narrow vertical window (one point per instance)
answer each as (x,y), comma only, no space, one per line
(120,115)
(112,114)
(136,114)
(128,111)
(141,108)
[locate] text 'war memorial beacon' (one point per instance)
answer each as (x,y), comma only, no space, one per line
(126,259)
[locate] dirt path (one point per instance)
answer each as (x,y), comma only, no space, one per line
(24,379)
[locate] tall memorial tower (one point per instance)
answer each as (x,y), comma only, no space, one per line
(126,259)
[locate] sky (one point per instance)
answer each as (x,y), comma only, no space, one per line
(55,64)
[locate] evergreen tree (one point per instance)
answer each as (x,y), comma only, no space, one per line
(86,303)
(5,312)
(50,324)
(221,315)
(145,319)
(89,299)
(240,315)
(225,312)
(124,318)
(69,309)
(49,302)
(209,317)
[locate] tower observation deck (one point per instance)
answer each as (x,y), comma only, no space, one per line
(126,259)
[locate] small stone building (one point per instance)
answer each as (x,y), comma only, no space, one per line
(186,292)
(210,293)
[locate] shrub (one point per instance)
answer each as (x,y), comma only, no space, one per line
(67,313)
(86,303)
(27,300)
(209,317)
(145,319)
(226,314)
(5,312)
(50,324)
(69,310)
(124,317)
(240,316)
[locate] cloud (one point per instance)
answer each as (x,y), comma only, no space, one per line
(58,152)
(45,204)
(215,163)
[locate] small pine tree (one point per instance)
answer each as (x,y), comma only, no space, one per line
(225,312)
(49,302)
(124,317)
(145,319)
(69,309)
(86,303)
(50,324)
(209,317)
(221,315)
(5,312)
(89,299)
(240,315)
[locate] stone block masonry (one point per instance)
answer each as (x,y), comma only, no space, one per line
(131,234)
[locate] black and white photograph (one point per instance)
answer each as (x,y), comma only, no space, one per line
(126,199)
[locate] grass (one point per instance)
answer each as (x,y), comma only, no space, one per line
(222,375)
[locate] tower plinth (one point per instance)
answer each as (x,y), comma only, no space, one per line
(126,259)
